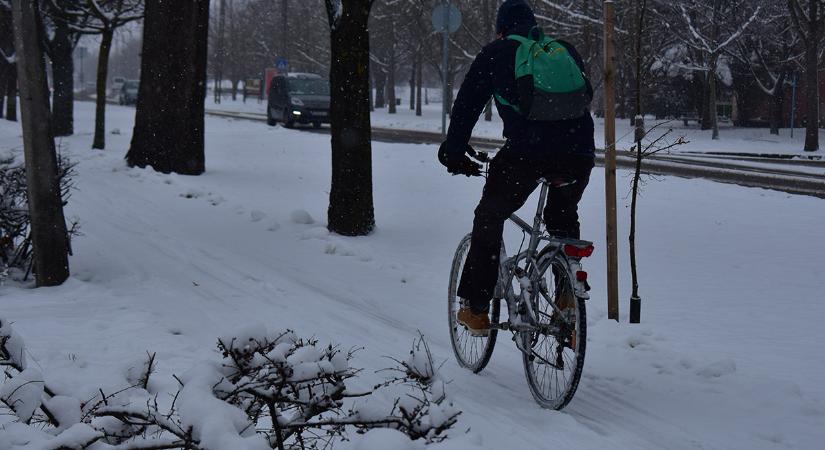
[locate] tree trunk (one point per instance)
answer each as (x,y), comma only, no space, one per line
(285,30)
(380,90)
(48,224)
(705,113)
(776,104)
(351,210)
(714,122)
(412,87)
(220,52)
(3,71)
(99,141)
(169,121)
(63,79)
(419,75)
(634,196)
(391,100)
(812,89)
(11,94)
(372,94)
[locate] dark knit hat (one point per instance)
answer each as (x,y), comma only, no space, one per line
(515,16)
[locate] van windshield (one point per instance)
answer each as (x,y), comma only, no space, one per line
(308,86)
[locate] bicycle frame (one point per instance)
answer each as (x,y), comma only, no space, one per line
(522,318)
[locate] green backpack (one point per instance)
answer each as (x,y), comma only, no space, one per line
(551,85)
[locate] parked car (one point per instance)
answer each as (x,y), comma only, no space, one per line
(129,92)
(298,98)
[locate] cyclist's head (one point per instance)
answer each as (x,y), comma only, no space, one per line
(515,17)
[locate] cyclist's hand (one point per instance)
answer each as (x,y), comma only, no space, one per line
(465,166)
(457,162)
(483,157)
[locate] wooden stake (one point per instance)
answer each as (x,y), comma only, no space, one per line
(610,162)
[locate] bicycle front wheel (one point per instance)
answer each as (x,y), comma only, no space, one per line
(553,361)
(471,352)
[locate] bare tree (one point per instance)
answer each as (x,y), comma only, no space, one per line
(708,29)
(63,38)
(351,209)
(48,224)
(810,26)
(169,121)
(7,58)
(101,17)
(8,69)
(769,50)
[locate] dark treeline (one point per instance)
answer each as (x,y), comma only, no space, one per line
(747,51)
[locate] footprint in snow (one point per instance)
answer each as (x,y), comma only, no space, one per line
(337,249)
(192,193)
(302,217)
(216,200)
(717,369)
(320,233)
(257,216)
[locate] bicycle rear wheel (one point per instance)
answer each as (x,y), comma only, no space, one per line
(471,352)
(553,365)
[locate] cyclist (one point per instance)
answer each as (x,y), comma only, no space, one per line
(533,149)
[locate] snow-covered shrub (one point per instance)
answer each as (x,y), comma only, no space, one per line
(268,390)
(15,237)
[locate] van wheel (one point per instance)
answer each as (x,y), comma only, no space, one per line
(289,122)
(269,119)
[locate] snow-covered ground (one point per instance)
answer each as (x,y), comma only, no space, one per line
(731,140)
(729,355)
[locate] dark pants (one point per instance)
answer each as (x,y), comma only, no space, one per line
(512,178)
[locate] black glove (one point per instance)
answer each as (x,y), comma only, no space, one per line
(457,162)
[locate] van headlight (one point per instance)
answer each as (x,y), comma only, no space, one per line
(297,101)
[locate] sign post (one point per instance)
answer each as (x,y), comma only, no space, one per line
(610,162)
(446,19)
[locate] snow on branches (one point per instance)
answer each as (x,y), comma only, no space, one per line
(15,222)
(267,390)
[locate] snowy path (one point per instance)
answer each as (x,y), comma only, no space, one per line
(729,355)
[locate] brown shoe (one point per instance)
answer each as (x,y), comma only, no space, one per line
(566,302)
(477,324)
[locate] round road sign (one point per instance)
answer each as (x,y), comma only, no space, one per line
(446,16)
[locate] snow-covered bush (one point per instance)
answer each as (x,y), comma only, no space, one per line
(268,390)
(15,237)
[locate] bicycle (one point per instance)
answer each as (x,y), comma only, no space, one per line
(549,327)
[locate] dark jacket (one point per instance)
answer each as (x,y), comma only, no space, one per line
(493,71)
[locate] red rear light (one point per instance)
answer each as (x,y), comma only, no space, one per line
(581,276)
(578,252)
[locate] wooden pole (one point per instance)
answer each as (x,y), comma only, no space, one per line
(610,162)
